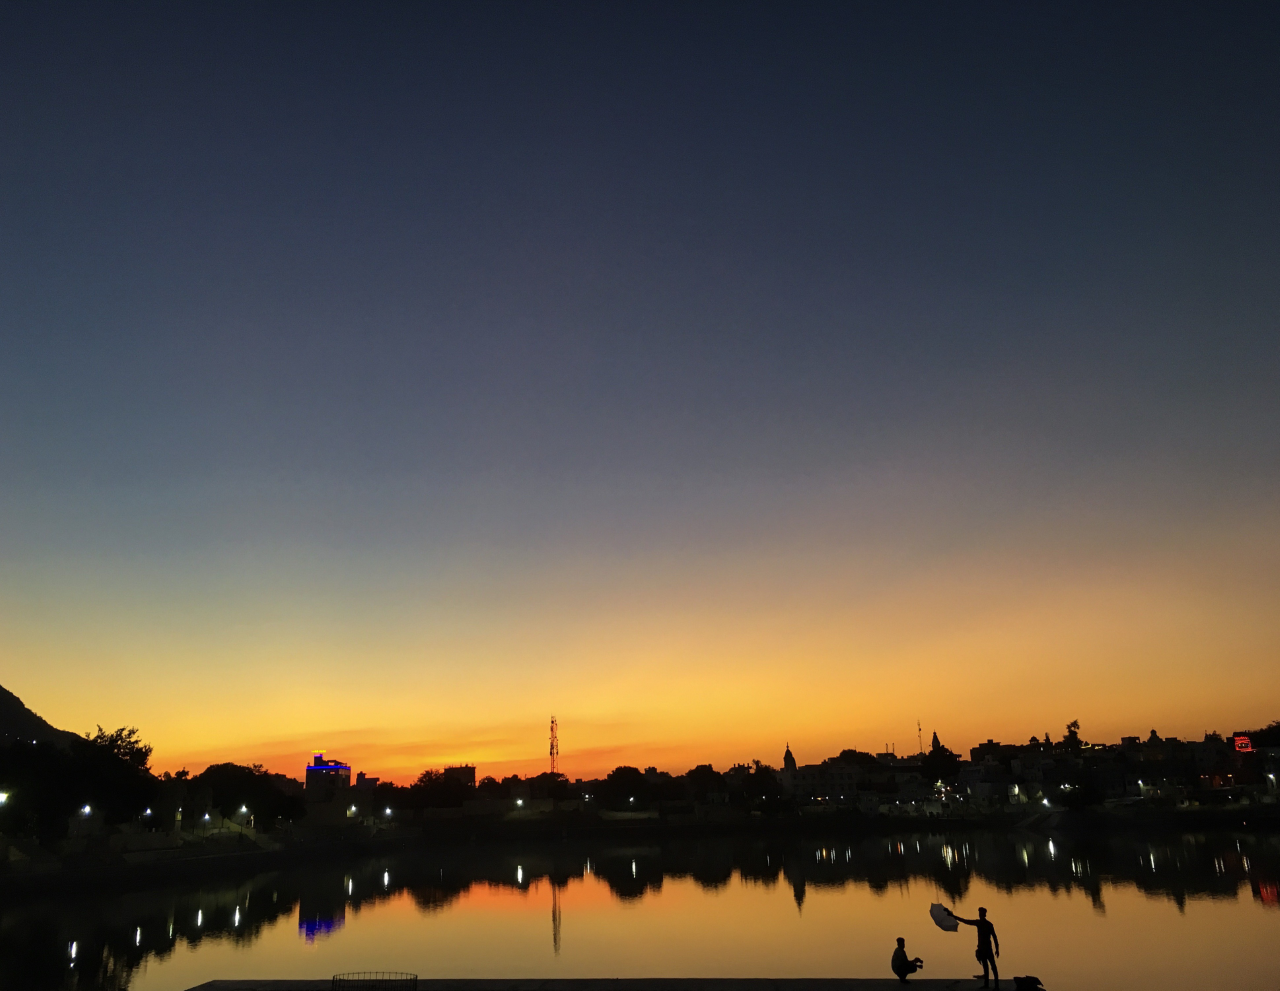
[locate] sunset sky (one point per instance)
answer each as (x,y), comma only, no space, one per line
(388,378)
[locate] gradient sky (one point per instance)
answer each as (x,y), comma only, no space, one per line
(387,378)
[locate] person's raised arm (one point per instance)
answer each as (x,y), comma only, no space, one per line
(967,922)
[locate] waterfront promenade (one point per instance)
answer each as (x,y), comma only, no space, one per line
(633,984)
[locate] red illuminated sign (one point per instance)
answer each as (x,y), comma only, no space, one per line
(1243,743)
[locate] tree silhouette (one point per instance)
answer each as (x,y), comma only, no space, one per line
(435,790)
(125,743)
(233,786)
(702,780)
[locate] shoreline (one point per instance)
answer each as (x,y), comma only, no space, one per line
(626,984)
(215,860)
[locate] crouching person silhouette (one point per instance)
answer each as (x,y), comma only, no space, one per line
(901,965)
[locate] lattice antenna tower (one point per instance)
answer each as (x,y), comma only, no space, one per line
(555,747)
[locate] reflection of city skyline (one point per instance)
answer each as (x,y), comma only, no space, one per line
(317,918)
(123,931)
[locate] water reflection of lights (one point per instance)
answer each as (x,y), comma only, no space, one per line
(1200,867)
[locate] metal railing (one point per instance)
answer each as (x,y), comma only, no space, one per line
(375,980)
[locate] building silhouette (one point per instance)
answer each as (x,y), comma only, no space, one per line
(326,779)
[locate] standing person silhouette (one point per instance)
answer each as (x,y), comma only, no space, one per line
(986,937)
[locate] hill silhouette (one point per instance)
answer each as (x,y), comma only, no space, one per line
(17,722)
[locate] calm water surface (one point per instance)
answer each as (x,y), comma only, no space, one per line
(1177,912)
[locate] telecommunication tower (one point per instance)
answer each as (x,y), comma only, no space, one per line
(555,748)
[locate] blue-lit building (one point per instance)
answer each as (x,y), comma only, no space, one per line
(326,779)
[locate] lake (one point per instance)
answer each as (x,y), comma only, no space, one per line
(1178,911)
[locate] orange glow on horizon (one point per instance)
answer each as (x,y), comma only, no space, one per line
(680,657)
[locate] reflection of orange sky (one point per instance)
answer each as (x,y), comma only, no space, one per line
(673,657)
(748,929)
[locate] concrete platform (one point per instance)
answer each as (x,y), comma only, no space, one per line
(636,984)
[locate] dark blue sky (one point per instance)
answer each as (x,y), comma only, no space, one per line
(374,238)
(412,278)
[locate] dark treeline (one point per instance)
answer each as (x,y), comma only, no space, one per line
(105,777)
(623,789)
(48,784)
